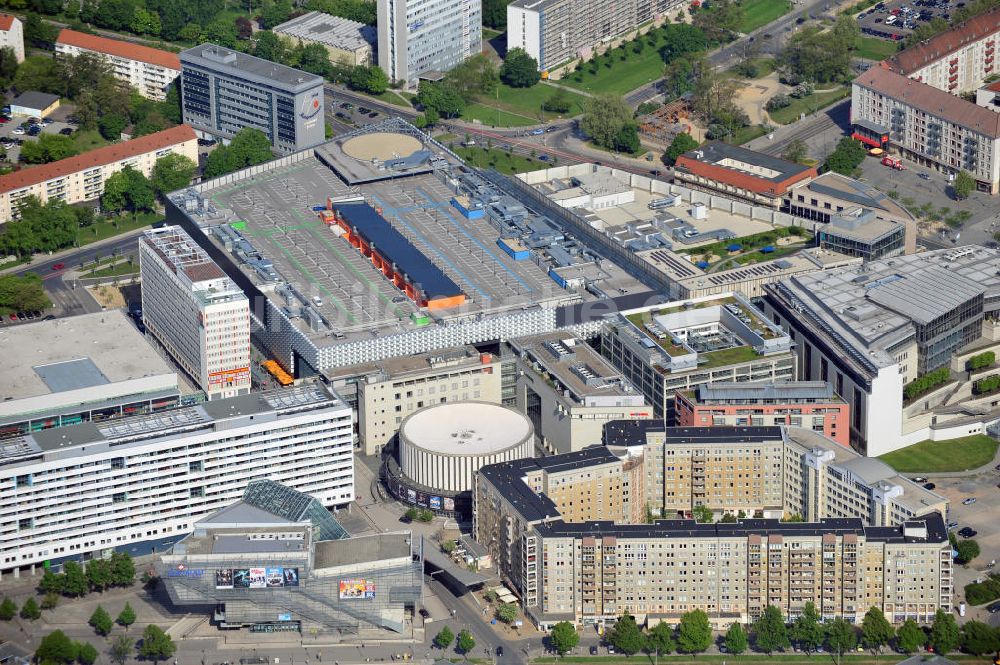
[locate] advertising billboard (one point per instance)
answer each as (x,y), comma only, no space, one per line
(411,496)
(357,589)
(275,577)
(224,578)
(435,503)
(291,576)
(258,578)
(241,578)
(449,503)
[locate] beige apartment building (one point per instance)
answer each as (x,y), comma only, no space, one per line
(149,70)
(387,391)
(12,35)
(81,178)
(570,392)
(591,568)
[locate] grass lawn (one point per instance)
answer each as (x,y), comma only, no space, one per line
(499,160)
(764,66)
(118,225)
(519,107)
(872,48)
(757,13)
(490,33)
(394,98)
(808,105)
(622,76)
(116,270)
(968,452)
(89,139)
(747,134)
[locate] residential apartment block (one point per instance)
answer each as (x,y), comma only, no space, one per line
(590,569)
(678,346)
(347,42)
(12,35)
(384,393)
(143,482)
(909,102)
(149,70)
(224,91)
(809,404)
(927,125)
(425,38)
(196,311)
(569,391)
(81,178)
(870,331)
(555,32)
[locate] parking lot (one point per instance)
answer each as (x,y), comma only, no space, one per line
(896,19)
(979,516)
(17,130)
(349,112)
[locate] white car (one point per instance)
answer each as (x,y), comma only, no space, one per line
(18,131)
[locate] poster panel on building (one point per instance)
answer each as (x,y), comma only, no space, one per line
(421,499)
(275,577)
(411,496)
(435,503)
(449,503)
(291,576)
(258,578)
(357,589)
(241,578)
(224,578)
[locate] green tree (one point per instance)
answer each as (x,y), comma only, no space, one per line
(945,636)
(627,139)
(111,126)
(682,143)
(99,574)
(8,66)
(145,22)
(156,645)
(876,631)
(411,514)
(371,79)
(127,190)
(425,516)
(626,636)
(736,639)
(101,621)
(559,102)
(221,31)
(910,637)
(38,72)
(694,632)
(603,118)
(769,631)
(22,293)
(519,70)
(979,638)
(564,637)
(465,643)
(963,185)
(806,629)
(121,649)
(967,549)
(495,14)
(172,172)
(51,582)
(442,98)
(702,513)
(191,32)
(847,157)
(796,151)
(660,640)
(56,648)
(840,637)
(122,569)
(48,148)
(86,654)
(50,601)
(126,617)
(30,610)
(444,638)
(8,609)
(506,612)
(275,13)
(74,580)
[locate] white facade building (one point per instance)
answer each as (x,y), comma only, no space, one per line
(196,311)
(12,35)
(417,37)
(81,490)
(148,70)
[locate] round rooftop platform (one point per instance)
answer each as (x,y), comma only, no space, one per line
(381,146)
(443,446)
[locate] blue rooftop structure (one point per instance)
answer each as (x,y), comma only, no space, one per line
(393,247)
(734,247)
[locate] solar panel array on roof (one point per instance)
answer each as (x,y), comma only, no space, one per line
(391,244)
(757,270)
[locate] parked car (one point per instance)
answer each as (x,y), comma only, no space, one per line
(952,525)
(968,502)
(374,114)
(499,651)
(929,486)
(967,532)
(593,651)
(919,479)
(611,648)
(18,131)
(4,119)
(66,131)
(58,266)
(537,132)
(994,608)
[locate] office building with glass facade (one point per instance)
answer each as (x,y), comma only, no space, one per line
(224,91)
